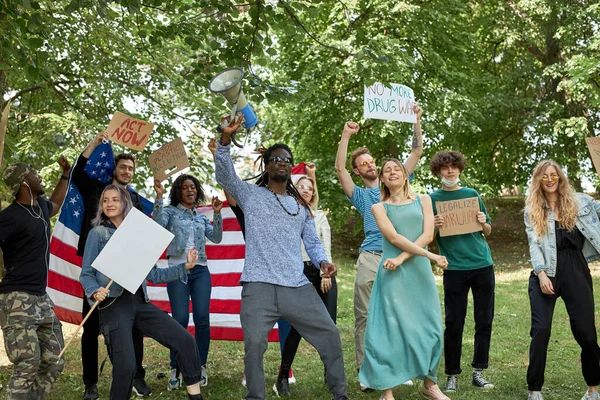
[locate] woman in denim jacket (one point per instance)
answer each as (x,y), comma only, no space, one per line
(121,312)
(191,230)
(563,230)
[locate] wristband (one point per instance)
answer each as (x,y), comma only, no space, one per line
(64,177)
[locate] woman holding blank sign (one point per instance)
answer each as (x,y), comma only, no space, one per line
(121,312)
(403,339)
(564,234)
(191,229)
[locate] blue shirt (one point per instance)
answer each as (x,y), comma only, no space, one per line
(363,199)
(180,220)
(273,253)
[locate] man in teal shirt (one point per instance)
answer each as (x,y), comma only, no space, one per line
(470,266)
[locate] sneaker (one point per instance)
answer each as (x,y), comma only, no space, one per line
(591,396)
(408,383)
(174,380)
(203,376)
(140,388)
(244,381)
(281,387)
(364,388)
(480,382)
(535,396)
(195,396)
(451,385)
(91,392)
(434,393)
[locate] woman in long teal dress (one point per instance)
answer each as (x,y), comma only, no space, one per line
(404,332)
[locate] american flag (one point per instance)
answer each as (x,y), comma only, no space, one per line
(225,259)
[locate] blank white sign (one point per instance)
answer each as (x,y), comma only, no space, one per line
(133,250)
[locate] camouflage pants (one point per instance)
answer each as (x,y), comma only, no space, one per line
(33,339)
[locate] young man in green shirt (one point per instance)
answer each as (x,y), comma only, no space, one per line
(470,266)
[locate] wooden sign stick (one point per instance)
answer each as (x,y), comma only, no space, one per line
(81,324)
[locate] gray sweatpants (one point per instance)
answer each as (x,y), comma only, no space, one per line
(262,305)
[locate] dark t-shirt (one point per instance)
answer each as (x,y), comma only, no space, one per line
(25,242)
(91,190)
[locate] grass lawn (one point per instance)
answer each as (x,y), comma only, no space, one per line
(508,358)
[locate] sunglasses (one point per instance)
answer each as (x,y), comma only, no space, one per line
(277,159)
(552,177)
(306,187)
(367,162)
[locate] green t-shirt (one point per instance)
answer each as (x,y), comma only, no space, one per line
(469,250)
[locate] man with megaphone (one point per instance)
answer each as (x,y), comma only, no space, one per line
(273,283)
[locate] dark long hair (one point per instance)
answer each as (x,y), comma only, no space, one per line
(175,194)
(263,179)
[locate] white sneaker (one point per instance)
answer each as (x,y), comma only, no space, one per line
(244,381)
(591,396)
(203,376)
(408,383)
(535,396)
(364,388)
(174,380)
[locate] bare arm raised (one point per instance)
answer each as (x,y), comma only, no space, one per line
(416,150)
(350,128)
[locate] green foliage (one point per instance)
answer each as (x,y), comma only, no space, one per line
(507,83)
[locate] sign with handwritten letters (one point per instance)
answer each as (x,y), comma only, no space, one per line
(593,144)
(128,131)
(169,159)
(393,103)
(460,216)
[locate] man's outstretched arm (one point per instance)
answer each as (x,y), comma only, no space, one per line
(350,128)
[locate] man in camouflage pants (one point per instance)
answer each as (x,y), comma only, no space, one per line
(32,333)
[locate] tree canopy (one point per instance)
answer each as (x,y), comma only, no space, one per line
(508,83)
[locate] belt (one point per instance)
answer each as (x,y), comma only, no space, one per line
(374,252)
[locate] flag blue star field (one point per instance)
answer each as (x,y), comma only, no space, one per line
(225,260)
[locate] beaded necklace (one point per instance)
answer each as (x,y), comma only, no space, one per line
(281,204)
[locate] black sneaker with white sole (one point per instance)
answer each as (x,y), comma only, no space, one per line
(480,382)
(140,388)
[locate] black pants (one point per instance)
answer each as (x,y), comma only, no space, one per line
(120,316)
(574,285)
(456,292)
(329,299)
(89,347)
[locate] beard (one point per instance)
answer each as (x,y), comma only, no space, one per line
(121,182)
(280,178)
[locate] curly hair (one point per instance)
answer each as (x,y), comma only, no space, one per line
(357,153)
(535,204)
(175,194)
(263,179)
(444,158)
(406,189)
(126,204)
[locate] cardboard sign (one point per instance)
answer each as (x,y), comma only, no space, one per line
(129,132)
(3,127)
(133,250)
(394,103)
(593,144)
(169,159)
(460,216)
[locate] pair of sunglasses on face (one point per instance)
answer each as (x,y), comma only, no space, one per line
(277,160)
(552,177)
(367,163)
(305,187)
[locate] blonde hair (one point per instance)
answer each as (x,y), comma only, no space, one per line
(311,180)
(406,189)
(535,204)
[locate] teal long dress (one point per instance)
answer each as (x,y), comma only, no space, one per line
(404,332)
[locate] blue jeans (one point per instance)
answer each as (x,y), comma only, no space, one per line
(198,288)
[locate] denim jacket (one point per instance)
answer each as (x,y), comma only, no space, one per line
(92,279)
(543,249)
(179,220)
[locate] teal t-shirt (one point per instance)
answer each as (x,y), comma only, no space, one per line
(469,250)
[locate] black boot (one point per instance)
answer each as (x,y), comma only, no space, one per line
(195,396)
(281,386)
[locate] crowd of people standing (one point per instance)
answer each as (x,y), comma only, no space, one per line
(400,332)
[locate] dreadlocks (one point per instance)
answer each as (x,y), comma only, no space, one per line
(263,179)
